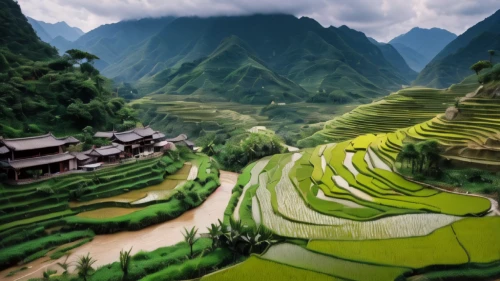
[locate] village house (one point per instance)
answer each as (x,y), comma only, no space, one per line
(24,158)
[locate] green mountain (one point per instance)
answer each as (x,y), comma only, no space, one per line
(61,44)
(392,55)
(112,42)
(40,31)
(414,59)
(452,64)
(18,36)
(330,63)
(426,43)
(55,29)
(42,92)
(232,71)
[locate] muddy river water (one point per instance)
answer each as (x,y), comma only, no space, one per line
(106,248)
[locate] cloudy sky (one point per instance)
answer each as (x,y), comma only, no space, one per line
(381,19)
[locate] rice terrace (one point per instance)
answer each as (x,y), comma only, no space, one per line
(235,140)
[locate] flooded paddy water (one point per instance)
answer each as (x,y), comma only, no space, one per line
(106,248)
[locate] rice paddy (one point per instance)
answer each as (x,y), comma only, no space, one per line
(361,219)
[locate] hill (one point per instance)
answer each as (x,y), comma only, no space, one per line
(41,92)
(413,58)
(340,63)
(232,71)
(52,30)
(111,42)
(453,62)
(393,56)
(426,43)
(18,36)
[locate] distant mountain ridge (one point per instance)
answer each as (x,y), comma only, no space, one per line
(452,64)
(419,45)
(392,55)
(55,29)
(330,64)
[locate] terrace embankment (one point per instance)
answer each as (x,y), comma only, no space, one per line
(106,248)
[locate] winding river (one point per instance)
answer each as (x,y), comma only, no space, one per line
(106,248)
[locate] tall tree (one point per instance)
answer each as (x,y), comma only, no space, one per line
(480,65)
(492,53)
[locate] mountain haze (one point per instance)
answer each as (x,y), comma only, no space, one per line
(394,57)
(329,63)
(452,64)
(426,44)
(55,29)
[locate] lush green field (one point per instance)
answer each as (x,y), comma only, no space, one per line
(358,213)
(198,115)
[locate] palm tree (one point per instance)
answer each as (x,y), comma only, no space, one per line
(190,238)
(84,266)
(215,231)
(125,262)
(64,265)
(257,238)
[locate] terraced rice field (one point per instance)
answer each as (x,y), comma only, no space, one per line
(405,108)
(364,221)
(37,217)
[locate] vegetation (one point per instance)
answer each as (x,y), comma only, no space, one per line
(84,266)
(43,92)
(452,64)
(480,65)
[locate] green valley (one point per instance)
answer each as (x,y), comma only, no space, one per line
(249,140)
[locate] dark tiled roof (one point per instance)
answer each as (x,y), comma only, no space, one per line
(37,161)
(81,156)
(158,135)
(69,140)
(4,150)
(105,151)
(37,142)
(144,132)
(127,136)
(179,138)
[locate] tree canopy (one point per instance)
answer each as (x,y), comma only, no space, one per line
(480,65)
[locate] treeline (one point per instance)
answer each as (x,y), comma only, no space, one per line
(41,91)
(62,95)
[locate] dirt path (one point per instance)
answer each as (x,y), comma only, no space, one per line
(106,248)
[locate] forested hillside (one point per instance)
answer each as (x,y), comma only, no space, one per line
(40,91)
(452,64)
(330,64)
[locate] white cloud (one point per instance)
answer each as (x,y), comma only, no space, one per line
(381,19)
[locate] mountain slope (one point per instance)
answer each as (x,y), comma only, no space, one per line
(490,24)
(112,42)
(428,42)
(298,49)
(392,55)
(41,92)
(232,71)
(453,62)
(40,31)
(452,68)
(17,34)
(56,29)
(414,59)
